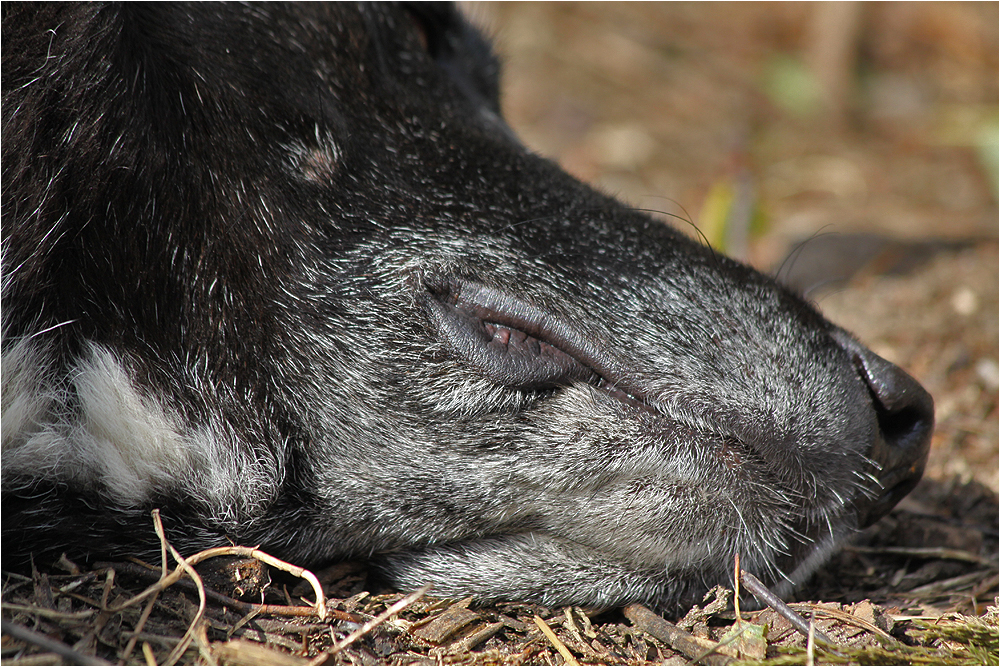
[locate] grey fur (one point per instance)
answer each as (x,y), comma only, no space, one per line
(280,333)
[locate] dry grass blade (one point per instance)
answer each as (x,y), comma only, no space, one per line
(163,583)
(144,617)
(555,641)
(50,613)
(942,586)
(242,622)
(138,628)
(843,617)
(184,565)
(736,586)
(811,644)
(147,652)
(243,652)
(927,552)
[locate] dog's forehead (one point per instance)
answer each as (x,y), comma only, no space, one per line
(290,41)
(286,36)
(326,59)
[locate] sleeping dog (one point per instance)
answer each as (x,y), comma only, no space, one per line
(284,272)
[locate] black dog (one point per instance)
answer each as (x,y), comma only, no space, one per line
(284,272)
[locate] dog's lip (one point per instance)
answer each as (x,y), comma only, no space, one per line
(521,345)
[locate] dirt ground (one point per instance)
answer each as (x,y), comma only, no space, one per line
(868,131)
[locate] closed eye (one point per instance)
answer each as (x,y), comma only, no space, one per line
(519,345)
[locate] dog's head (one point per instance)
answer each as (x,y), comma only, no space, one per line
(285,272)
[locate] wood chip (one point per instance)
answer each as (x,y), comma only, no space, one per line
(474,639)
(445,624)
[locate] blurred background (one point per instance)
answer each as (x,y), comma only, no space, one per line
(867,131)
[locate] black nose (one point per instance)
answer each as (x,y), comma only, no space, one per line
(905,414)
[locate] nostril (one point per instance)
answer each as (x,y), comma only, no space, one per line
(904,409)
(905,427)
(905,414)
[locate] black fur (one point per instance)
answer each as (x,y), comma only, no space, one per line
(284,272)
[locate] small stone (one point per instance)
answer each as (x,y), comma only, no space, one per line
(988,373)
(965,301)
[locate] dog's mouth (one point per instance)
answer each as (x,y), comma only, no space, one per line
(519,345)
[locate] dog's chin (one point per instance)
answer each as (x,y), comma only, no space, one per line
(528,567)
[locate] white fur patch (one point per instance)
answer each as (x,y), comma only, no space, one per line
(25,400)
(113,435)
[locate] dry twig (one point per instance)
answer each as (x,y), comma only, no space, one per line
(762,593)
(71,656)
(676,638)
